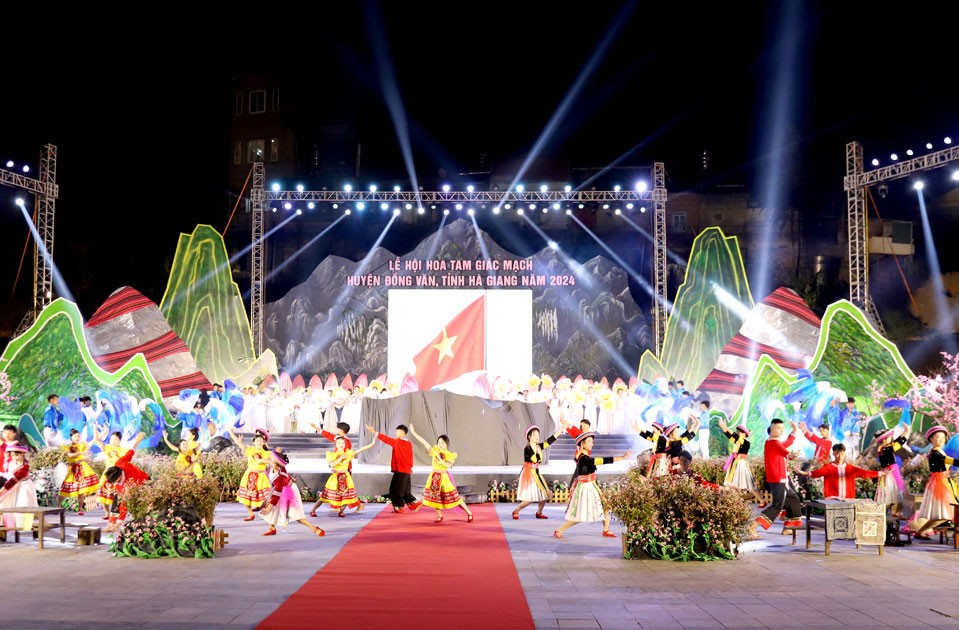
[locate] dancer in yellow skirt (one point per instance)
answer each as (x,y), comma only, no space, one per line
(112,452)
(339,492)
(532,487)
(255,485)
(441,493)
(81,480)
(188,457)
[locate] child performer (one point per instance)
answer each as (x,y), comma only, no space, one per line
(676,441)
(531,487)
(284,504)
(585,501)
(658,463)
(9,438)
(838,477)
(441,493)
(111,452)
(940,491)
(738,472)
(775,453)
(891,485)
(255,484)
(339,492)
(19,489)
(822,441)
(401,463)
(118,478)
(81,481)
(188,459)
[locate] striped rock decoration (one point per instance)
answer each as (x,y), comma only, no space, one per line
(782,327)
(128,323)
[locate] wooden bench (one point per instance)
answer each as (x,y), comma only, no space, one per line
(40,513)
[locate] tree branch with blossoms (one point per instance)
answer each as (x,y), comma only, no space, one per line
(937,395)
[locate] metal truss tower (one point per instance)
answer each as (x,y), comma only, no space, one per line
(258,254)
(660,312)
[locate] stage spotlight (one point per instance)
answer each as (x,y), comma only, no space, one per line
(569,211)
(605,206)
(275,187)
(288,206)
(641,186)
(26,169)
(384,206)
(420,210)
(9,163)
(432,206)
(629,206)
(20,202)
(335,206)
(299,188)
(883,191)
(469,188)
(642,208)
(545,210)
(875,162)
(361,206)
(396,212)
(520,188)
(348,188)
(470,212)
(396,189)
(618,212)
(555,206)
(947,140)
(553,245)
(299,211)
(955,176)
(446,187)
(929,146)
(581,206)
(532,206)
(918,185)
(373,188)
(446,212)
(543,188)
(519,211)
(273,208)
(893,157)
(567,188)
(495,209)
(347,212)
(616,188)
(311,205)
(508,206)
(909,152)
(409,206)
(458,206)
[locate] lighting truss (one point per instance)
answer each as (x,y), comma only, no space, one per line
(855,183)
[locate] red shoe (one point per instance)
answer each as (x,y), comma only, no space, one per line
(79,512)
(541,515)
(106,518)
(793,523)
(469,518)
(415,505)
(515,516)
(608,534)
(270,532)
(398,510)
(439,519)
(249,518)
(557,534)
(763,522)
(313,513)
(319,532)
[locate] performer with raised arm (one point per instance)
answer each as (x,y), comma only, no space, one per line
(81,481)
(822,442)
(839,478)
(658,463)
(255,484)
(441,493)
(585,501)
(739,473)
(531,487)
(676,441)
(891,485)
(401,463)
(940,493)
(284,505)
(111,453)
(775,453)
(339,492)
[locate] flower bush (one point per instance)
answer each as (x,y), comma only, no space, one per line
(675,518)
(166,491)
(174,532)
(225,466)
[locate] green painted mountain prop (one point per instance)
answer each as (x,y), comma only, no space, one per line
(205,307)
(850,355)
(701,324)
(650,368)
(52,357)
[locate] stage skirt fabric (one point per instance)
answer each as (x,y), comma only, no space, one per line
(288,509)
(658,465)
(339,490)
(23,494)
(441,492)
(740,475)
(938,498)
(81,480)
(585,502)
(254,488)
(532,487)
(890,485)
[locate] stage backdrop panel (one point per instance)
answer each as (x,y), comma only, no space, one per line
(482,432)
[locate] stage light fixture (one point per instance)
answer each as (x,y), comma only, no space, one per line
(581,206)
(459,206)
(893,157)
(384,206)
(508,206)
(569,211)
(543,188)
(553,245)
(495,209)
(273,209)
(348,188)
(396,212)
(311,205)
(347,212)
(9,163)
(929,146)
(909,152)
(432,206)
(616,188)
(275,187)
(568,188)
(629,206)
(519,211)
(641,186)
(420,210)
(446,187)
(446,212)
(26,169)
(520,188)
(373,188)
(470,212)
(335,206)
(555,206)
(532,206)
(409,206)
(469,188)
(545,210)
(618,212)
(299,188)
(642,208)
(919,185)
(875,162)
(361,206)
(288,206)
(20,202)
(955,176)
(299,211)
(883,190)
(605,206)
(396,189)
(947,140)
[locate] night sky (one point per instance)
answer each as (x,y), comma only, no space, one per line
(141,119)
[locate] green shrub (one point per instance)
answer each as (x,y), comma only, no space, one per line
(165,491)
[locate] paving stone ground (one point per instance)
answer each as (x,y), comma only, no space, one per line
(578,582)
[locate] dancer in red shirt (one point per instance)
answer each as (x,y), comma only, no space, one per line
(401,463)
(838,477)
(822,441)
(777,479)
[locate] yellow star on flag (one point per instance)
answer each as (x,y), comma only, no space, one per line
(444,347)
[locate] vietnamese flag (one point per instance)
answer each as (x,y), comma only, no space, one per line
(459,347)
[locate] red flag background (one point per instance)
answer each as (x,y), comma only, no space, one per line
(459,347)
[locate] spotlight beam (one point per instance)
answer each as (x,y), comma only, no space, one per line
(313,240)
(676,258)
(944,319)
(483,249)
(58,282)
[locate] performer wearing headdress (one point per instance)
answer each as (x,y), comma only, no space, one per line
(940,493)
(739,474)
(585,501)
(18,490)
(339,492)
(839,478)
(81,481)
(676,441)
(117,478)
(284,505)
(441,493)
(891,485)
(255,484)
(532,487)
(658,462)
(8,438)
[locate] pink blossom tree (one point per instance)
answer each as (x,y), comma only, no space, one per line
(937,396)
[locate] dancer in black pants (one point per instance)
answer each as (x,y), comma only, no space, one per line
(401,463)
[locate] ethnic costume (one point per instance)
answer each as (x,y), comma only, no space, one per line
(839,480)
(585,501)
(441,492)
(401,465)
(339,491)
(891,485)
(132,475)
(285,499)
(738,472)
(19,491)
(255,484)
(112,454)
(675,446)
(531,486)
(940,489)
(189,463)
(658,464)
(81,480)
(823,446)
(783,496)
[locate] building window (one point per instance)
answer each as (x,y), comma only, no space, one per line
(274,149)
(257,101)
(679,222)
(237,153)
(239,103)
(275,103)
(254,151)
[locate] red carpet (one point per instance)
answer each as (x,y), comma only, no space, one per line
(404,571)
